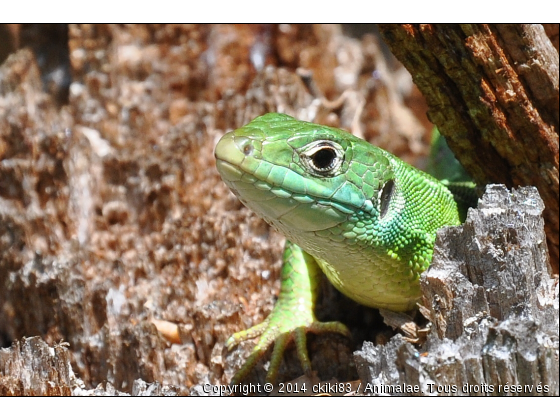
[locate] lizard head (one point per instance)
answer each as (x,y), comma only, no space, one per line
(303,176)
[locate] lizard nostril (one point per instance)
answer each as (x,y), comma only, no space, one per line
(244,144)
(247,149)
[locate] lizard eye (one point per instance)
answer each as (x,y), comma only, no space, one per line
(323,158)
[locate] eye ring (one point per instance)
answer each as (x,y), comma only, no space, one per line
(323,157)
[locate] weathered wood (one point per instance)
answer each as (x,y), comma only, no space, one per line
(31,368)
(493,305)
(492,90)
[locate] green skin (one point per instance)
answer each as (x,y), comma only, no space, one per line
(347,208)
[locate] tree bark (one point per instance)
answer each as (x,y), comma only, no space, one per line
(492,90)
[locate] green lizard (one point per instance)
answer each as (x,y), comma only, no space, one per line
(347,208)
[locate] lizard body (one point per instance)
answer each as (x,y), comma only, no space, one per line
(347,208)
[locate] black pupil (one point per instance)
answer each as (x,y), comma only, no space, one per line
(324,158)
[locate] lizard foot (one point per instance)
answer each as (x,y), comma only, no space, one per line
(281,328)
(291,319)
